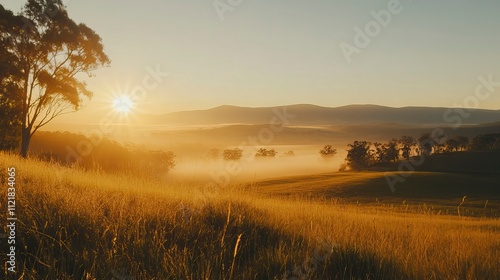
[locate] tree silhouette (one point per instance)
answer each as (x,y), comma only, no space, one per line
(213,153)
(47,51)
(10,106)
(359,156)
(10,119)
(452,145)
(232,154)
(483,142)
(407,143)
(327,152)
(265,153)
(425,144)
(463,142)
(387,152)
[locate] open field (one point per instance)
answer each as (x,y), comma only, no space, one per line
(240,140)
(429,191)
(87,225)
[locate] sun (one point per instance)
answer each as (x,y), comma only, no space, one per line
(122,104)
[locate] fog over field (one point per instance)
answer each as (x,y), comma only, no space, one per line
(250,169)
(308,129)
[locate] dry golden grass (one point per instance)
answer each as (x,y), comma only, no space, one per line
(82,225)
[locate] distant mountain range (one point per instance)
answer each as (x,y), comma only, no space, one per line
(306,114)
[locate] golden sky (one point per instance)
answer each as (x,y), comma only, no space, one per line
(266,53)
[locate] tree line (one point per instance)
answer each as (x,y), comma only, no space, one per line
(109,156)
(236,154)
(364,154)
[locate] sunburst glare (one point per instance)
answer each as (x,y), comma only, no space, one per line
(123,104)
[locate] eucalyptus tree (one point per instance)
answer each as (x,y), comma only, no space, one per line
(48,53)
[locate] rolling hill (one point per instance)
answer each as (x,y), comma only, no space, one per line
(306,114)
(313,135)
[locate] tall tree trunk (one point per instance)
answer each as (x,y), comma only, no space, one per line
(25,142)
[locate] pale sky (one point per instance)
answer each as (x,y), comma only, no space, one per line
(267,53)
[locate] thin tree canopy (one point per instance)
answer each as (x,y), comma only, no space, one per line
(328,152)
(45,52)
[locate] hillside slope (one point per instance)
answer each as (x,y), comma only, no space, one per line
(89,225)
(306,114)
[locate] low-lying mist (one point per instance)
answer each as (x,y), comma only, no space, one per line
(250,168)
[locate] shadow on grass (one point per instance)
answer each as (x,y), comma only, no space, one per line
(75,245)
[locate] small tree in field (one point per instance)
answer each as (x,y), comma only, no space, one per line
(327,152)
(213,153)
(232,154)
(359,156)
(46,52)
(265,153)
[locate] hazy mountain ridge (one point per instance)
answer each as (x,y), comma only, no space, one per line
(307,114)
(335,134)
